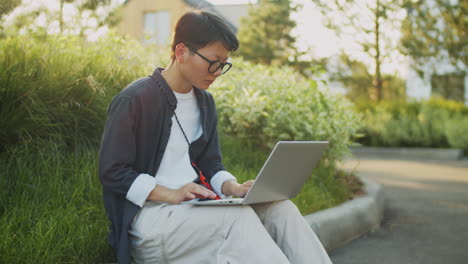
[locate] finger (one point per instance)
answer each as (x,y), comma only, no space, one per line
(206,193)
(209,192)
(248,183)
(189,196)
(212,195)
(200,192)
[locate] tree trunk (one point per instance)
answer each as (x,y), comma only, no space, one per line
(61,16)
(377,82)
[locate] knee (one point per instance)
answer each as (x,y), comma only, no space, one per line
(281,213)
(285,207)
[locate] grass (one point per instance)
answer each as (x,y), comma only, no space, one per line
(51,204)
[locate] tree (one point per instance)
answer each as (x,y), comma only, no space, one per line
(7,5)
(86,16)
(265,35)
(357,79)
(370,23)
(436,31)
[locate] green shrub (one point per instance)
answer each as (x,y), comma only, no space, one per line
(432,123)
(261,105)
(457,130)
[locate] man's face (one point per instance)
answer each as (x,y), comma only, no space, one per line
(196,67)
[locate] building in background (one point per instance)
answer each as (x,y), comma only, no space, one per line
(152,21)
(438,78)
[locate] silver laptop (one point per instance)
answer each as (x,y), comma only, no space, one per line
(282,176)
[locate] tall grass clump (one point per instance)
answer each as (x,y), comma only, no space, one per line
(51,206)
(59,87)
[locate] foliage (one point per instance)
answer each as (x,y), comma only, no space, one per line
(7,5)
(434,123)
(84,17)
(450,86)
(456,132)
(265,35)
(262,105)
(51,206)
(370,23)
(60,88)
(357,80)
(436,30)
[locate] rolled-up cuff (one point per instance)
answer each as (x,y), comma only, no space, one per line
(140,189)
(217,182)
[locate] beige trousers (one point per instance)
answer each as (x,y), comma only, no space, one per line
(272,232)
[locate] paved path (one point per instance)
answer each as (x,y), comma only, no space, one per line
(426,214)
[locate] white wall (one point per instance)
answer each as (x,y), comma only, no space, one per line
(233,13)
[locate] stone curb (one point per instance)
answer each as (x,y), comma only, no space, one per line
(341,224)
(405,153)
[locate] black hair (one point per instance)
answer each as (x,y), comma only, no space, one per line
(200,28)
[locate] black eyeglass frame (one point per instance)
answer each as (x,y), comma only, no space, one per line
(221,65)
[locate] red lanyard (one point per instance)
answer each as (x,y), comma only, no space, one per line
(203,179)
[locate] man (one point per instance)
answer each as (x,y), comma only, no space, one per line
(160,147)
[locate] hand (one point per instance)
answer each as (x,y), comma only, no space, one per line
(191,191)
(185,193)
(236,189)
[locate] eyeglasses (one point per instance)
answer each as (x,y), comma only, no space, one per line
(214,65)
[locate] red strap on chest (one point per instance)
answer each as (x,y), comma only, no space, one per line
(203,180)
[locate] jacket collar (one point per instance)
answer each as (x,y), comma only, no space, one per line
(161,82)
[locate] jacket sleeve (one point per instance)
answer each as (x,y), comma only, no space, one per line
(210,159)
(118,146)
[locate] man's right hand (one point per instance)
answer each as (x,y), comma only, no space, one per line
(185,193)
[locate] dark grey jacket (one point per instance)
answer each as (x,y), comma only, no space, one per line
(134,140)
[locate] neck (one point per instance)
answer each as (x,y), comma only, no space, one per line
(175,80)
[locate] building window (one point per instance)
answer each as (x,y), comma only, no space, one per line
(449,86)
(157,27)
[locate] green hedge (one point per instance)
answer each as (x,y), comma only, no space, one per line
(436,122)
(262,105)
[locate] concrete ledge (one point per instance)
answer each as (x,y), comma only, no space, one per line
(405,153)
(339,225)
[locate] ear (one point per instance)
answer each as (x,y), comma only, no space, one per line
(181,52)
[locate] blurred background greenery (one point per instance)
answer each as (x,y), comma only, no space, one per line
(56,83)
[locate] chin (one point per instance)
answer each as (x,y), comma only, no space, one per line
(204,86)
